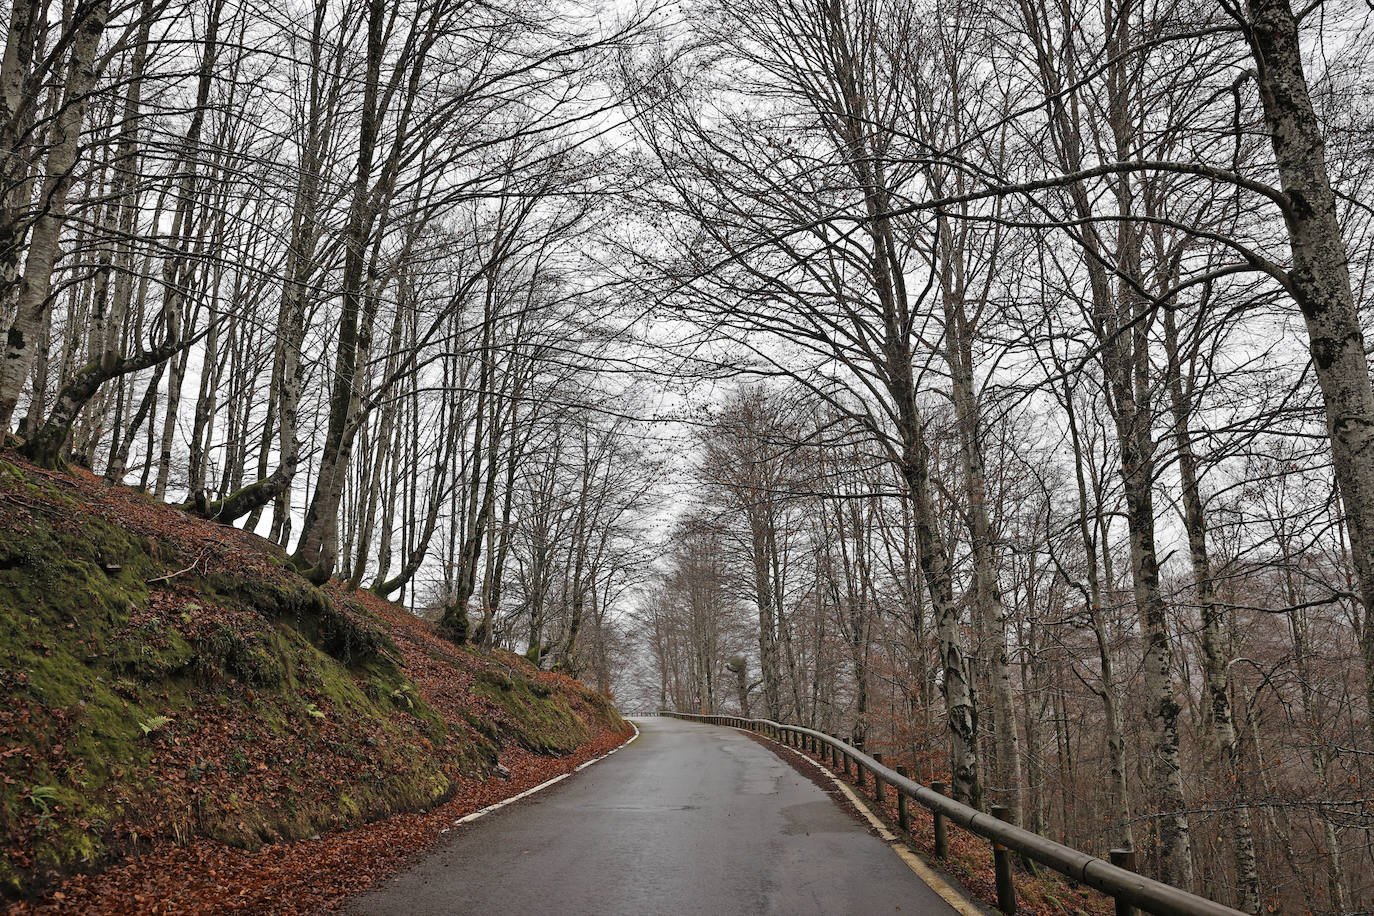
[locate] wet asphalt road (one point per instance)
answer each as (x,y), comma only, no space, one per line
(689,819)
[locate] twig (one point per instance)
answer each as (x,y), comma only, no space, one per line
(193,565)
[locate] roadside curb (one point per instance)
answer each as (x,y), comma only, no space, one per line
(468,818)
(951,893)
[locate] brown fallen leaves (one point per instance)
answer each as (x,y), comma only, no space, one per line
(292,879)
(211,760)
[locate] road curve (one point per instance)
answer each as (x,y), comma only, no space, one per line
(689,819)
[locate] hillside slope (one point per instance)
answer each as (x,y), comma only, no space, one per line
(170,680)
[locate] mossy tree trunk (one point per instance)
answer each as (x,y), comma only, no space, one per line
(46,446)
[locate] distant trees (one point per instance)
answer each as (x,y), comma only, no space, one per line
(749,459)
(1051,285)
(1035,443)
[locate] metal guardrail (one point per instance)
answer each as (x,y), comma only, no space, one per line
(1129,889)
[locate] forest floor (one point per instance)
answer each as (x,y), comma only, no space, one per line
(190,727)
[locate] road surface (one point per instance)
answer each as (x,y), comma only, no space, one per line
(689,819)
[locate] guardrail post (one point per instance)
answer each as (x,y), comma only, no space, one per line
(903,815)
(1001,863)
(941,828)
(878,782)
(1123,858)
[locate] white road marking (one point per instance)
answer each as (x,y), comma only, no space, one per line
(467,818)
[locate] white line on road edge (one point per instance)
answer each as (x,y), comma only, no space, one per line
(951,895)
(543,785)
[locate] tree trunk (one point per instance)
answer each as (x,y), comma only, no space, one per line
(34,303)
(318,548)
(1214,660)
(18,97)
(1320,283)
(46,446)
(987,594)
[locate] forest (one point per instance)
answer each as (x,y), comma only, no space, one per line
(984,382)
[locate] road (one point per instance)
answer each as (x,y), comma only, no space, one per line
(689,819)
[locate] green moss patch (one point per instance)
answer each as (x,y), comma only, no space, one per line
(167,678)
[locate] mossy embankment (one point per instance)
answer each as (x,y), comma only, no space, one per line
(167,678)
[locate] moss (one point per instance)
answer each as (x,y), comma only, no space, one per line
(243,705)
(543,724)
(256,658)
(495,677)
(349,637)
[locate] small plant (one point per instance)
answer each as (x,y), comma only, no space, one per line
(314,711)
(238,763)
(44,798)
(156,722)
